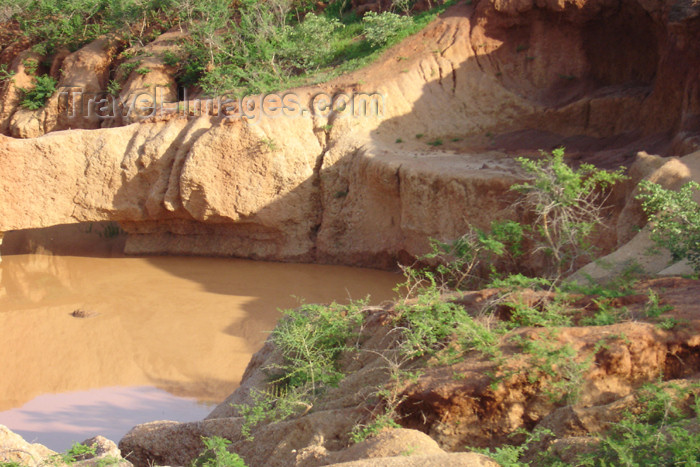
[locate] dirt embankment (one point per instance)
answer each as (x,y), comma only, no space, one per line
(472,402)
(481,84)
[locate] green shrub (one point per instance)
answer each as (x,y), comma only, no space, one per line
(6,75)
(380,423)
(31,65)
(560,374)
(380,28)
(311,338)
(509,455)
(661,433)
(171,58)
(402,5)
(606,314)
(308,45)
(567,204)
(77,452)
(675,219)
(431,324)
(215,454)
(126,68)
(34,99)
(113,87)
(459,259)
(546,313)
(245,46)
(272,405)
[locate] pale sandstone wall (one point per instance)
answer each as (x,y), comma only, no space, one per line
(490,81)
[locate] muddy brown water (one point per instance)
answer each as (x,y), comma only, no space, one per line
(164,337)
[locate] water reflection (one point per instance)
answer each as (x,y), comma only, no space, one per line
(59,420)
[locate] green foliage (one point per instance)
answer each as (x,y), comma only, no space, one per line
(215,454)
(307,46)
(272,405)
(30,65)
(380,423)
(545,313)
(380,28)
(6,75)
(668,323)
(674,218)
(619,285)
(458,260)
(245,46)
(403,6)
(77,452)
(270,144)
(430,324)
(311,338)
(653,309)
(560,374)
(232,55)
(126,68)
(519,281)
(605,314)
(143,71)
(509,455)
(72,23)
(35,98)
(567,204)
(661,433)
(171,58)
(111,230)
(113,87)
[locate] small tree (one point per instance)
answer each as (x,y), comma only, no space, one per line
(380,28)
(567,204)
(674,218)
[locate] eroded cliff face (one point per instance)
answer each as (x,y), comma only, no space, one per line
(482,84)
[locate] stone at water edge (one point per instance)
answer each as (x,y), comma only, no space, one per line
(14,449)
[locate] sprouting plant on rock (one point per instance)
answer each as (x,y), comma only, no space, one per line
(35,98)
(216,454)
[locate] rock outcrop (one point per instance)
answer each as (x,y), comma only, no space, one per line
(15,450)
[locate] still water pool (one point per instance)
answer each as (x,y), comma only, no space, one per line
(165,337)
